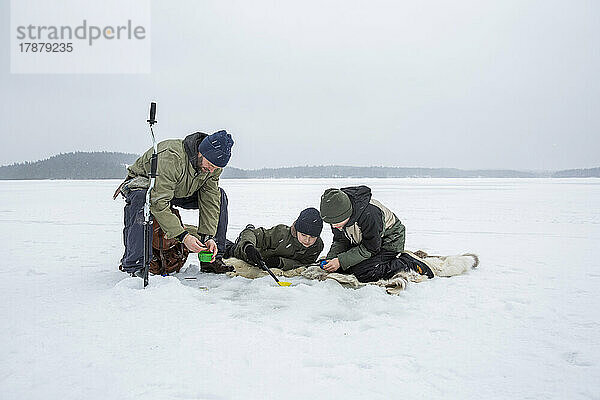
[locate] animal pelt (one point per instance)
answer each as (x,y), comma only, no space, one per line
(242,268)
(443,266)
(447,266)
(392,286)
(246,270)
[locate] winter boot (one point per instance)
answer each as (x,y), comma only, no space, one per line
(138,273)
(133,271)
(416,265)
(216,267)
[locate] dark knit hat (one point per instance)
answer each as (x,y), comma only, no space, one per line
(216,148)
(335,206)
(309,222)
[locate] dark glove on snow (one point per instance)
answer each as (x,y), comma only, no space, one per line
(273,262)
(253,256)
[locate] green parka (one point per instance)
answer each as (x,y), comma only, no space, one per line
(280,241)
(179,176)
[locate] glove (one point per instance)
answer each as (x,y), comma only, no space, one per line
(253,256)
(273,262)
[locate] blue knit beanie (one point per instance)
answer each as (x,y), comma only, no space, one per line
(309,222)
(216,148)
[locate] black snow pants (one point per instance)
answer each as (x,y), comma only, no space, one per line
(133,232)
(382,265)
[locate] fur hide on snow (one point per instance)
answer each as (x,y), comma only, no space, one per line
(443,266)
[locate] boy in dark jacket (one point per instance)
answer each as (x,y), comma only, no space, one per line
(368,238)
(282,246)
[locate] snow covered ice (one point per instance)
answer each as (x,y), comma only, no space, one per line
(523,325)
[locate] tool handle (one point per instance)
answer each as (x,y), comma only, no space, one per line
(152,119)
(153,165)
(264,266)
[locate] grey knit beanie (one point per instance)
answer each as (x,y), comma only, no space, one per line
(335,206)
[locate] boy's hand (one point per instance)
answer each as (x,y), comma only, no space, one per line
(273,262)
(332,266)
(253,256)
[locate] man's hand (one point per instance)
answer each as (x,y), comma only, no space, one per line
(211,245)
(253,256)
(332,266)
(193,243)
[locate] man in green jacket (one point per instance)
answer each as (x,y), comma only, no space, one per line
(188,177)
(368,238)
(281,246)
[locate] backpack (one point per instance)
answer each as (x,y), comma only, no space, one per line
(168,255)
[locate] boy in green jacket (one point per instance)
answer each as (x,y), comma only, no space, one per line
(282,246)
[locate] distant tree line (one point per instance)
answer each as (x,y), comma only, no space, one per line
(113,165)
(339,171)
(578,173)
(78,165)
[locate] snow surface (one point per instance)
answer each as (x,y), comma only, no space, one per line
(523,325)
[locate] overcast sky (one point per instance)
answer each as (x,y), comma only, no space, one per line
(465,84)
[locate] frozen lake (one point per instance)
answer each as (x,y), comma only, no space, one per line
(523,325)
